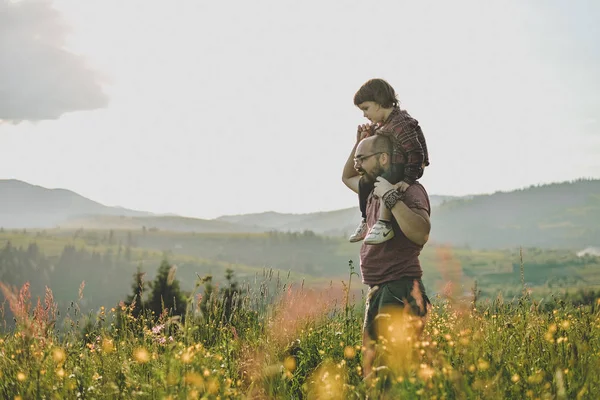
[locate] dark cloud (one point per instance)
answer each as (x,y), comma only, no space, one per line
(39,79)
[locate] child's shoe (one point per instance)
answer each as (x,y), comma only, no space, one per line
(381,232)
(360,232)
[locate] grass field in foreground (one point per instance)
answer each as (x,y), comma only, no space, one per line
(306,344)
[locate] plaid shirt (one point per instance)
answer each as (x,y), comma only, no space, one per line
(409,144)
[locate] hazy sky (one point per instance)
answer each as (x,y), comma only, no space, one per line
(224,107)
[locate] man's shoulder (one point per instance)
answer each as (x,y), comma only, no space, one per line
(416,196)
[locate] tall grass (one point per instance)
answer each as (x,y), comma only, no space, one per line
(274,338)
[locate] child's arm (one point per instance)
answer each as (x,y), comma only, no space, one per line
(350,175)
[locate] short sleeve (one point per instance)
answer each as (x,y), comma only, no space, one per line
(416,197)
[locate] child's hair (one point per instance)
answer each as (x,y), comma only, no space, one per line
(378,91)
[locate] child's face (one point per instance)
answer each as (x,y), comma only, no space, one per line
(372,111)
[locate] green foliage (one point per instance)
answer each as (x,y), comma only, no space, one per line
(557,215)
(278,342)
(166,295)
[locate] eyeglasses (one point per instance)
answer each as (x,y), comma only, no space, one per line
(359,160)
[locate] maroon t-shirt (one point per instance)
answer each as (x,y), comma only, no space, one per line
(397,257)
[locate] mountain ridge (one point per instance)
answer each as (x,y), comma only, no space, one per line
(563,214)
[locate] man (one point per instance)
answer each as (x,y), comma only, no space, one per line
(391,269)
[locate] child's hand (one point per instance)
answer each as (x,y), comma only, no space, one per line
(382,186)
(363,131)
(402,186)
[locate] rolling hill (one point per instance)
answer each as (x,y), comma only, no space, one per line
(23,205)
(556,215)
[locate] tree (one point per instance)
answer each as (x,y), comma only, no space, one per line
(230,295)
(137,297)
(166,293)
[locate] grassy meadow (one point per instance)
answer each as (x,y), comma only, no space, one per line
(500,326)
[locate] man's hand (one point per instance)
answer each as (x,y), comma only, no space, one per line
(402,186)
(382,186)
(363,131)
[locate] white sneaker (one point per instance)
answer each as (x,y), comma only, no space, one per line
(381,232)
(360,232)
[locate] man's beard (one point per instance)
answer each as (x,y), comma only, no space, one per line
(372,176)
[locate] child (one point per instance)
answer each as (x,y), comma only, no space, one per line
(378,101)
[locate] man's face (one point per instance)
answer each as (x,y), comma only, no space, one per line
(367,161)
(372,111)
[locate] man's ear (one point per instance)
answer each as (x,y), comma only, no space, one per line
(386,159)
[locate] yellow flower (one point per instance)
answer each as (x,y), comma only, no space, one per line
(426,372)
(515,378)
(536,378)
(290,364)
(483,365)
(349,352)
(21,376)
(213,387)
(108,345)
(58,355)
(194,379)
(141,355)
(186,357)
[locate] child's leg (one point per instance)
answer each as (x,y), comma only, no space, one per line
(383,229)
(384,213)
(364,189)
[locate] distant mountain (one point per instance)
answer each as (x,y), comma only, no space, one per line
(23,205)
(557,215)
(163,223)
(335,223)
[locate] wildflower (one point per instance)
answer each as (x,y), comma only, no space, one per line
(515,378)
(141,355)
(483,365)
(21,376)
(426,372)
(156,329)
(194,379)
(290,364)
(108,345)
(536,378)
(58,355)
(213,386)
(349,352)
(186,357)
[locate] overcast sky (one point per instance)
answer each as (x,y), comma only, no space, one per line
(226,107)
